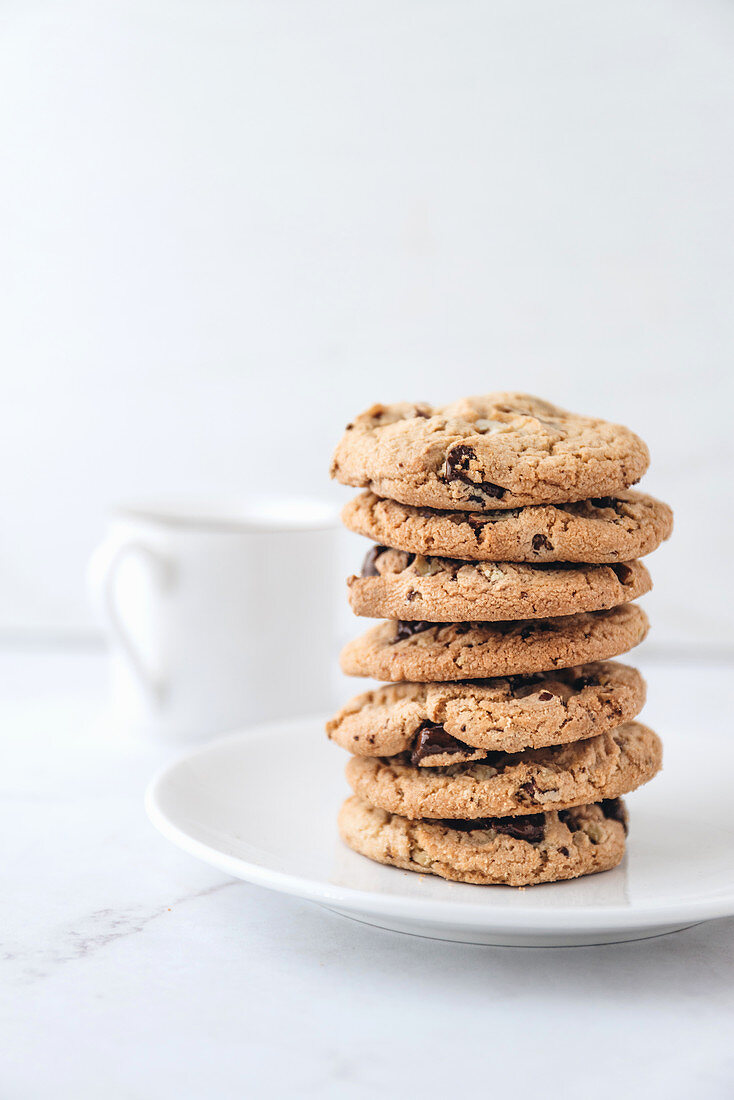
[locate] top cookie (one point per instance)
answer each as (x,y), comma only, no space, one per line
(601,531)
(501,450)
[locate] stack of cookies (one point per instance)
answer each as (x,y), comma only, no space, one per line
(505,559)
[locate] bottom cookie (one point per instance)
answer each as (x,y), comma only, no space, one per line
(516,851)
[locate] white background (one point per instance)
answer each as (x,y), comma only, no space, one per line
(225,227)
(229,226)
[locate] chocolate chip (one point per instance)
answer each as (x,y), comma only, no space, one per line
(544,696)
(623,572)
(431,740)
(458,468)
(569,821)
(349,427)
(528,789)
(526,827)
(471,519)
(530,828)
(462,826)
(406,629)
(613,808)
(369,567)
(563,850)
(411,594)
(458,458)
(541,542)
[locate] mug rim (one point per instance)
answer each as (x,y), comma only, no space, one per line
(245,515)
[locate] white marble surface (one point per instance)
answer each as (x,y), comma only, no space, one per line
(130,970)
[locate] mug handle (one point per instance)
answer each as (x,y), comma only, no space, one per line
(102,576)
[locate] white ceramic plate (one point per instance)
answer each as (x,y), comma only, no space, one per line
(261,805)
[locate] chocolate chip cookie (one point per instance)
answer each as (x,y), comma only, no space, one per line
(423,651)
(514,851)
(397,585)
(597,531)
(505,784)
(445,723)
(497,451)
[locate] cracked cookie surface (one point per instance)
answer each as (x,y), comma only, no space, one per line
(598,531)
(423,651)
(510,714)
(398,585)
(505,784)
(495,451)
(563,845)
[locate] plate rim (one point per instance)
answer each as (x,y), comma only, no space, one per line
(420,910)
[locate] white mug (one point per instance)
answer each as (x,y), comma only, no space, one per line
(219,616)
